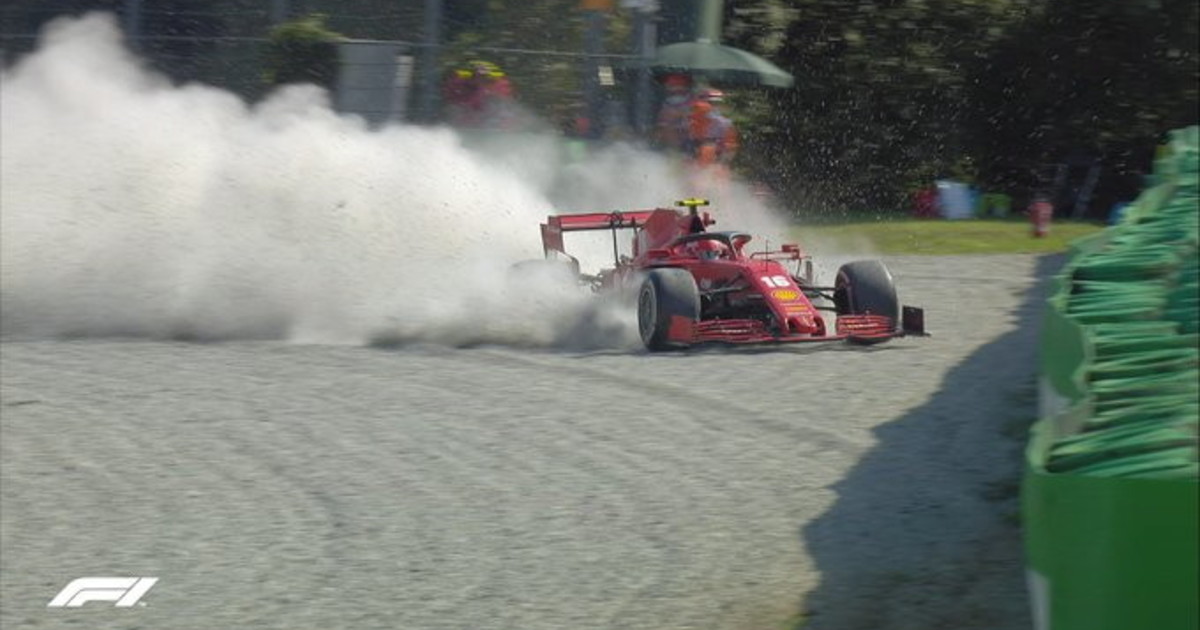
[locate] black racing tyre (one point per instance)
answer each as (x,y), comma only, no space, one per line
(865,287)
(665,293)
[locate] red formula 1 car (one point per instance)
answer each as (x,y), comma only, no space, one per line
(695,286)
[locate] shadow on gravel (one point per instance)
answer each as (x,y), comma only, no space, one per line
(924,533)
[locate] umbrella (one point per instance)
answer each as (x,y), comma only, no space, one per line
(720,64)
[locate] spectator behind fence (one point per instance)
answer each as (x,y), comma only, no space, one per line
(714,139)
(671,126)
(481,96)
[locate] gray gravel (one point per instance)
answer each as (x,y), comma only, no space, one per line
(271,485)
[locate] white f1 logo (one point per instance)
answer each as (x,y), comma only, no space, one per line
(125,591)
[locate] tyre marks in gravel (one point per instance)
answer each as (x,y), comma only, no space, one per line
(276,486)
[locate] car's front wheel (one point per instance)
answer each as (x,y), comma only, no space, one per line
(865,287)
(664,295)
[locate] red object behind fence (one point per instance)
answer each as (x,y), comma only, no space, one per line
(1041,213)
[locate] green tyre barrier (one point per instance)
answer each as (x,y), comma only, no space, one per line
(1111,490)
(1107,551)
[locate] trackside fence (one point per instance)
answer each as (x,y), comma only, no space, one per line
(1110,492)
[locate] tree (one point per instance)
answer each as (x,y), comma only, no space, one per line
(303,51)
(880,96)
(891,94)
(1100,80)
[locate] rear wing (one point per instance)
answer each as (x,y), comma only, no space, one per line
(555,225)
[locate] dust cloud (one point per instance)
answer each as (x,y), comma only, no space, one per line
(133,206)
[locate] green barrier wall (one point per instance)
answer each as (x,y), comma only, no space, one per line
(1110,499)
(1110,553)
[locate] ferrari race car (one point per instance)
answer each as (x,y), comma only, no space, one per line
(695,286)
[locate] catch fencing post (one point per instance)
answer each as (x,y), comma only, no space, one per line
(645,34)
(133,23)
(429,60)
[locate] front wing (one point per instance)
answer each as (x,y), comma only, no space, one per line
(854,328)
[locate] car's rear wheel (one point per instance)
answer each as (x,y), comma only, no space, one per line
(664,295)
(865,287)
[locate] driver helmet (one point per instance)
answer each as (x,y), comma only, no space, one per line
(710,250)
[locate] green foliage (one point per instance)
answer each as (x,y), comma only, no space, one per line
(303,51)
(1100,79)
(879,101)
(548,85)
(893,94)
